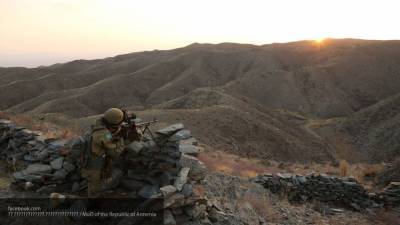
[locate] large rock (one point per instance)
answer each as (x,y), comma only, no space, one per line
(149,191)
(189,149)
(60,174)
(38,168)
(169,218)
(170,129)
(135,147)
(198,170)
(181,135)
(190,141)
(168,190)
(57,163)
(182,178)
(132,185)
(69,167)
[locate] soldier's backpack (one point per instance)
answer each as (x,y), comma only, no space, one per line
(81,148)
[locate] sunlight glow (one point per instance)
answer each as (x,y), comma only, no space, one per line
(320,40)
(65,29)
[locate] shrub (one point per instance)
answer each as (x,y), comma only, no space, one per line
(343,167)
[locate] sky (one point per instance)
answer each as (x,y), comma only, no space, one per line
(44,32)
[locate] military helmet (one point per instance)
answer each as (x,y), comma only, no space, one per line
(113,116)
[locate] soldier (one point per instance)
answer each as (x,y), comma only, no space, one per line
(106,147)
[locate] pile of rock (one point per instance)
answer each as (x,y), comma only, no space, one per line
(162,167)
(391,194)
(166,167)
(37,161)
(344,192)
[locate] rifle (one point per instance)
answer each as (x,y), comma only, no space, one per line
(130,127)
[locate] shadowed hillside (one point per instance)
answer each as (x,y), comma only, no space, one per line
(335,79)
(376,129)
(250,100)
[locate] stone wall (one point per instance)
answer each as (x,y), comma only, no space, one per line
(342,192)
(163,167)
(38,162)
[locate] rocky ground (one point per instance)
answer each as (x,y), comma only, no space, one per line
(230,196)
(255,204)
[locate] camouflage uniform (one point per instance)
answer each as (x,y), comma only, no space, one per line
(105,149)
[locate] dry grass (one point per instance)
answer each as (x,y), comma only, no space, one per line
(4,115)
(48,129)
(263,206)
(245,167)
(343,167)
(199,190)
(231,164)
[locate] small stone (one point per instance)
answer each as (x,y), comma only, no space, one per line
(181,135)
(189,149)
(216,216)
(187,190)
(149,191)
(132,185)
(135,146)
(177,211)
(5,122)
(57,144)
(196,212)
(198,170)
(29,158)
(28,185)
(182,178)
(47,189)
(42,155)
(40,139)
(169,218)
(335,210)
(284,175)
(38,168)
(69,167)
(171,129)
(75,187)
(57,163)
(356,207)
(168,190)
(176,199)
(301,179)
(59,174)
(350,183)
(190,141)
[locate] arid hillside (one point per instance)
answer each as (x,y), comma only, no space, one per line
(333,79)
(376,129)
(250,100)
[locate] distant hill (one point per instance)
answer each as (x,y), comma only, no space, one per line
(376,129)
(252,100)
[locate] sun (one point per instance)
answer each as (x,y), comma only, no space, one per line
(319,40)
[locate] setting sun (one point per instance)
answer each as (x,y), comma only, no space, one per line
(320,40)
(42,32)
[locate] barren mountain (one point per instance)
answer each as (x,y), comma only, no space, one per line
(376,129)
(252,100)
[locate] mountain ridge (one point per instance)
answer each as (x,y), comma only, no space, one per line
(335,78)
